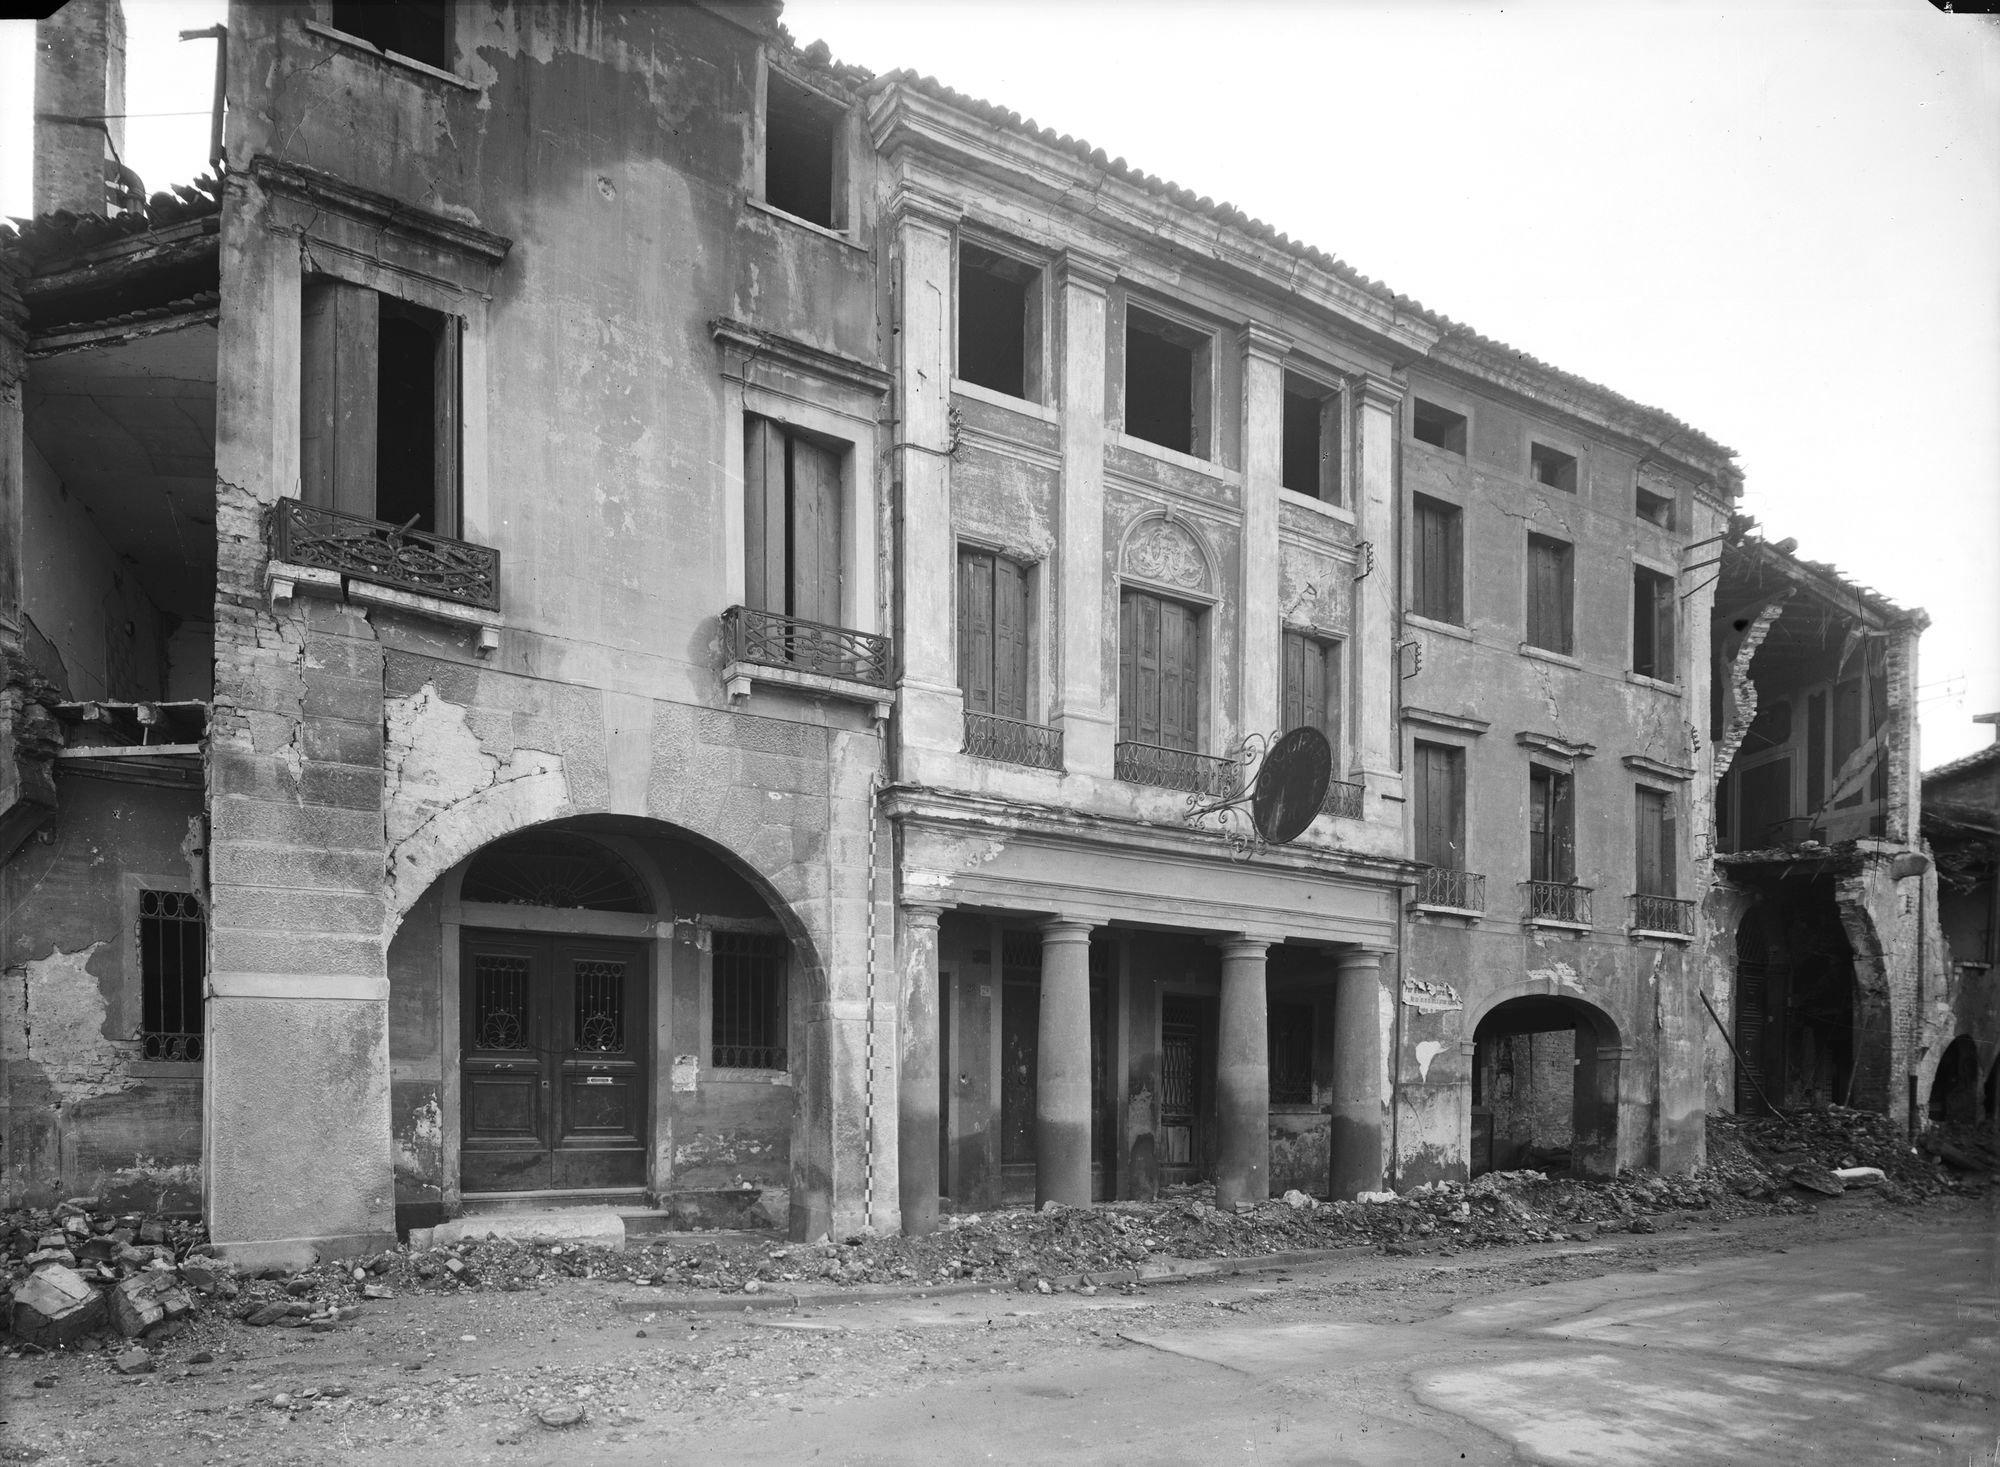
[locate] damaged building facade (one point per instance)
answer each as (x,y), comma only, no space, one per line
(1961,828)
(622,612)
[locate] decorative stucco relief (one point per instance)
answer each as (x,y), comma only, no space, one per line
(1164,552)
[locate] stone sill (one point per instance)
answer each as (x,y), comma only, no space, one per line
(1442,628)
(183,1072)
(1027,407)
(394,58)
(1207,468)
(739,678)
(837,236)
(1311,505)
(1658,684)
(1653,934)
(716,1076)
(1558,924)
(285,581)
(1469,915)
(1544,654)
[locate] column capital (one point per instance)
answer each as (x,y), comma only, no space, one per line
(1259,340)
(1243,945)
(920,914)
(1358,959)
(1086,272)
(1067,929)
(913,205)
(1374,391)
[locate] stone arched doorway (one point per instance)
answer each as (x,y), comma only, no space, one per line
(604,1009)
(1546,1071)
(1954,1098)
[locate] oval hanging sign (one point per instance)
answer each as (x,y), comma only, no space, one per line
(1291,785)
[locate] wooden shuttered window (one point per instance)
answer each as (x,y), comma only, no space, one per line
(1440,805)
(993,634)
(1159,672)
(1551,825)
(1653,607)
(1310,697)
(1437,559)
(791,523)
(1550,594)
(1654,833)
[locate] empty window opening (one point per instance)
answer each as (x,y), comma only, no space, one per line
(747,1009)
(1440,427)
(1551,593)
(1653,607)
(379,409)
(173,964)
(1656,509)
(1290,1053)
(792,522)
(999,322)
(417,30)
(1437,556)
(801,152)
(1312,440)
(1553,467)
(1166,383)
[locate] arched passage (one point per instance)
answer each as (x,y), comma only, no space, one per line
(602,1006)
(1954,1099)
(1545,1087)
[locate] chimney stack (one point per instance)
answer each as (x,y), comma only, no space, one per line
(79,105)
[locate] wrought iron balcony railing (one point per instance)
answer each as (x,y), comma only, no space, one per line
(1343,800)
(1440,886)
(1663,914)
(772,639)
(1177,769)
(388,555)
(990,736)
(1558,901)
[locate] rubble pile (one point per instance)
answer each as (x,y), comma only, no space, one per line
(82,1276)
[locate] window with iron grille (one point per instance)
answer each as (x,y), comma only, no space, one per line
(1290,1037)
(173,961)
(747,1008)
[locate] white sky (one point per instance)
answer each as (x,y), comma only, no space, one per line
(1779,222)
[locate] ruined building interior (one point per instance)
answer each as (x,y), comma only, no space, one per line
(757,742)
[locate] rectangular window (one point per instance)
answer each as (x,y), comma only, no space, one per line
(1653,607)
(999,322)
(378,407)
(1437,560)
(1551,825)
(1765,797)
(418,29)
(1166,383)
(1654,828)
(1439,805)
(1312,440)
(802,154)
(1440,427)
(1159,672)
(1310,697)
(792,523)
(1657,509)
(1550,595)
(173,964)
(747,1007)
(1553,467)
(993,634)
(1290,1053)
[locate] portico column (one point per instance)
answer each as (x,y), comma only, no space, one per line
(917,1073)
(1243,1078)
(1357,1074)
(1062,1067)
(1373,645)
(1082,710)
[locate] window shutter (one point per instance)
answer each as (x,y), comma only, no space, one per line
(1663,628)
(1538,825)
(1146,651)
(449,407)
(1565,582)
(1290,651)
(763,515)
(1010,639)
(1178,692)
(1664,883)
(1440,805)
(1332,724)
(1128,668)
(1562,828)
(1453,570)
(815,524)
(975,630)
(339,340)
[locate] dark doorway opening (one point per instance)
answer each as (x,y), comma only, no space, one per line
(1545,1089)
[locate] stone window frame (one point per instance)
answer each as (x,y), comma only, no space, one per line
(1207,407)
(320,23)
(846,203)
(1338,403)
(1042,401)
(705,929)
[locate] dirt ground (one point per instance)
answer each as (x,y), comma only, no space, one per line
(477,1376)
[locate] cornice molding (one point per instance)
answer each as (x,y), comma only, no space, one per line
(912,204)
(743,343)
(1659,769)
(1372,390)
(351,200)
(1086,271)
(1259,340)
(1555,744)
(1453,722)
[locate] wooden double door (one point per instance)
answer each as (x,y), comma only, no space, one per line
(554,1043)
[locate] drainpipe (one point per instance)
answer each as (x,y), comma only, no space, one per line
(220,35)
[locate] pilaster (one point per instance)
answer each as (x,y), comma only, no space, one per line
(1257,653)
(1084,710)
(1373,647)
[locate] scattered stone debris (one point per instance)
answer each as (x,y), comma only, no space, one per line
(83,1277)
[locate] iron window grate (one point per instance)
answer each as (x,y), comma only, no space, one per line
(747,1005)
(173,962)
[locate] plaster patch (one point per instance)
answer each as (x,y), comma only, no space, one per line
(1562,975)
(1429,1050)
(57,1023)
(1385,1013)
(420,1149)
(687,1069)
